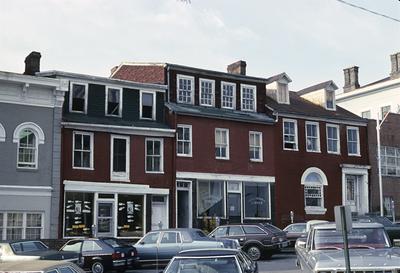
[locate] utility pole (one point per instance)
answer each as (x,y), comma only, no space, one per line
(378,138)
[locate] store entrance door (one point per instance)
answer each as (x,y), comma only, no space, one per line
(159,212)
(105,218)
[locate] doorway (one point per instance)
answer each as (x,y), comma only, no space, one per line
(183,204)
(159,212)
(105,218)
(353,192)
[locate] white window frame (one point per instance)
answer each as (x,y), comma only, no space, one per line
(161,155)
(314,209)
(2,133)
(35,165)
(91,168)
(154,105)
(120,176)
(318,150)
(358,140)
(191,78)
(384,161)
(295,131)
(120,101)
(227,143)
(185,126)
(24,223)
(282,88)
(234,95)
(366,112)
(333,100)
(212,92)
(224,194)
(260,135)
(248,86)
(338,139)
(86,97)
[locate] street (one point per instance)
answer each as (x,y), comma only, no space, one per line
(282,263)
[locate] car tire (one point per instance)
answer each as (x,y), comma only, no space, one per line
(254,252)
(97,267)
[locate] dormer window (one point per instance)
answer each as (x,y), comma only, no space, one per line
(113,104)
(78,98)
(207,92)
(185,90)
(330,100)
(248,97)
(283,93)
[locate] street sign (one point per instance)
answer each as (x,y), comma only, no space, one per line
(347,216)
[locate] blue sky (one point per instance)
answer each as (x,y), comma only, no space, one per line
(310,40)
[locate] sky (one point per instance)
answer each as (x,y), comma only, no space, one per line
(311,40)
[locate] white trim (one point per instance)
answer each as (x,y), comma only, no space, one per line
(234,94)
(42,191)
(140,131)
(86,96)
(315,210)
(338,138)
(91,135)
(295,131)
(190,202)
(314,170)
(186,77)
(190,139)
(120,102)
(212,92)
(260,134)
(315,118)
(227,142)
(2,133)
(361,170)
(248,86)
(161,140)
(32,126)
(226,177)
(279,89)
(120,176)
(318,137)
(358,140)
(153,114)
(24,223)
(243,199)
(320,210)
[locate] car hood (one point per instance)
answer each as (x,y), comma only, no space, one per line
(359,258)
(52,254)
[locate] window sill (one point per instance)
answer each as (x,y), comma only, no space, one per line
(183,155)
(151,119)
(315,152)
(84,169)
(120,179)
(222,158)
(79,112)
(333,153)
(248,110)
(357,155)
(286,149)
(113,116)
(24,169)
(315,210)
(151,172)
(256,160)
(207,105)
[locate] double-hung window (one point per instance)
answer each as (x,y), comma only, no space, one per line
(147,105)
(82,154)
(27,149)
(207,91)
(333,139)
(185,90)
(221,143)
(314,181)
(154,155)
(255,146)
(290,134)
(228,95)
(78,97)
(184,140)
(120,158)
(312,136)
(21,225)
(113,102)
(353,141)
(248,97)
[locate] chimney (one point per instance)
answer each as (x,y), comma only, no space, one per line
(32,63)
(238,67)
(350,79)
(395,60)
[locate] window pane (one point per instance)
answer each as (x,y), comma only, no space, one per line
(147,105)
(78,97)
(113,101)
(210,198)
(256,200)
(119,155)
(130,215)
(78,214)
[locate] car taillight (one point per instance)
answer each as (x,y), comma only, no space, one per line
(116,255)
(132,253)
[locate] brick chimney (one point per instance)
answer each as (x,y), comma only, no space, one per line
(350,79)
(395,60)
(32,63)
(238,67)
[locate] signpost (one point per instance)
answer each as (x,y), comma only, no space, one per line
(344,225)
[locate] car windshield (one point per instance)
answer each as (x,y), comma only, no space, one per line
(200,265)
(272,228)
(368,238)
(28,246)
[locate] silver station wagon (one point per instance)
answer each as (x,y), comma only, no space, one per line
(369,247)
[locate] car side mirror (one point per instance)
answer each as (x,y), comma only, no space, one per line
(301,243)
(396,243)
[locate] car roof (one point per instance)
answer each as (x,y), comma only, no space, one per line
(19,241)
(29,266)
(355,225)
(208,252)
(176,229)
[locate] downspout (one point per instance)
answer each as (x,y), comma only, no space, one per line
(168,87)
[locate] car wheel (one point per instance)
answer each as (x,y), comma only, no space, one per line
(254,252)
(97,267)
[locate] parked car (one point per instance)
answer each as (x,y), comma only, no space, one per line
(392,229)
(369,247)
(257,240)
(158,247)
(212,260)
(295,231)
(101,254)
(25,250)
(40,266)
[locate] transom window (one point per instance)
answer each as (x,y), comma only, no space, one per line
(184,140)
(82,150)
(390,161)
(21,225)
(221,143)
(353,141)
(113,103)
(255,146)
(333,140)
(154,155)
(290,134)
(27,149)
(120,158)
(78,97)
(228,95)
(249,97)
(207,92)
(147,105)
(185,89)
(312,136)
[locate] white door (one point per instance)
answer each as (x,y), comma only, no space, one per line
(159,212)
(353,192)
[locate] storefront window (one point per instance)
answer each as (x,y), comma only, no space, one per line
(256,200)
(130,216)
(210,198)
(78,214)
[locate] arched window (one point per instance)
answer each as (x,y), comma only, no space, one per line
(314,181)
(28,136)
(2,133)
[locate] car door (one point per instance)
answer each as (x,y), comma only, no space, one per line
(75,246)
(236,232)
(170,244)
(147,246)
(220,232)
